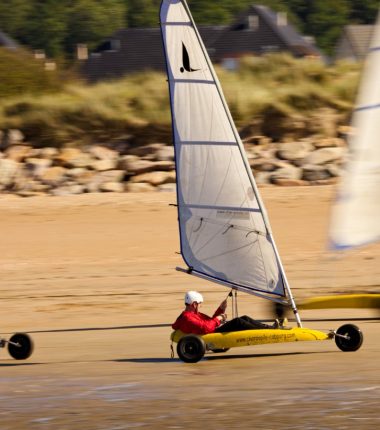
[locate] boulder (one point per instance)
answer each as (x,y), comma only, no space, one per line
(103,165)
(290,182)
(288,172)
(330,142)
(314,173)
(171,188)
(165,153)
(53,176)
(112,176)
(18,152)
(155,178)
(149,150)
(74,157)
(294,150)
(103,153)
(37,165)
(325,155)
(8,171)
(139,187)
(114,187)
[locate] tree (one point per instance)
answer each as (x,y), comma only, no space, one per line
(90,21)
(142,13)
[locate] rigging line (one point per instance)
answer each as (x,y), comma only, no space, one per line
(228,228)
(199,227)
(231,251)
(237,227)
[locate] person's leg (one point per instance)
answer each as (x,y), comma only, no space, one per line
(241,323)
(255,323)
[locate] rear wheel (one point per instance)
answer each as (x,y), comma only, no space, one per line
(352,340)
(191,349)
(20,346)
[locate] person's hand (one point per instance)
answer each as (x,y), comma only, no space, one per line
(223,305)
(222,318)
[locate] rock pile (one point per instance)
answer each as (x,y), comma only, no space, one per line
(28,171)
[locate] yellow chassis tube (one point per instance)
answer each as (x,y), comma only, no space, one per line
(256,337)
(342,301)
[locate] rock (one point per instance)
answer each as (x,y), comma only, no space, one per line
(165,153)
(257,140)
(155,178)
(53,175)
(8,171)
(139,187)
(103,153)
(314,173)
(103,165)
(12,137)
(330,142)
(37,165)
(147,150)
(112,176)
(135,166)
(18,152)
(290,182)
(329,181)
(48,152)
(294,150)
(74,157)
(263,178)
(289,172)
(266,164)
(324,155)
(115,187)
(171,188)
(334,170)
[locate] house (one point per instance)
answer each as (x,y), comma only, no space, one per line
(7,42)
(256,31)
(354,42)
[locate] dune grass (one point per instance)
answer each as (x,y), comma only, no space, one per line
(80,114)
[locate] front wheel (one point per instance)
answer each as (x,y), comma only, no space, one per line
(191,349)
(20,346)
(352,340)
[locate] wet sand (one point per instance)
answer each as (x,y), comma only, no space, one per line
(92,279)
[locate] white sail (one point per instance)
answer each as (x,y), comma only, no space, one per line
(356,214)
(224,231)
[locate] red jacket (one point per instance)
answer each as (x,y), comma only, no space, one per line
(196,322)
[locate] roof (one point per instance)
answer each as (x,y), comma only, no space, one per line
(136,49)
(7,41)
(354,42)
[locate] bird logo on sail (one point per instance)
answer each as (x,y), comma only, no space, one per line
(186,61)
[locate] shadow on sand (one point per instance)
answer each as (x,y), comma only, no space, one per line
(211,357)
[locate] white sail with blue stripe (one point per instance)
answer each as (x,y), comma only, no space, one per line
(224,231)
(356,213)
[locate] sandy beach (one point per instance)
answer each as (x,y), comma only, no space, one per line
(92,278)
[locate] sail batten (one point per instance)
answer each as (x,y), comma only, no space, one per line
(224,232)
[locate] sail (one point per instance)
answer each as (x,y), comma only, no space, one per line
(224,231)
(356,214)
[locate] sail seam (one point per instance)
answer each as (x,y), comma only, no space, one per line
(180,24)
(191,81)
(228,208)
(368,107)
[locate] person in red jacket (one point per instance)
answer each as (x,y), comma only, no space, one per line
(192,320)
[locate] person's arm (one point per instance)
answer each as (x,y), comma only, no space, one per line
(221,309)
(198,323)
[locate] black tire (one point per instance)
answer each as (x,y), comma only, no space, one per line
(191,349)
(355,338)
(23,347)
(219,350)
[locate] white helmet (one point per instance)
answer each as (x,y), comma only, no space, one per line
(193,296)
